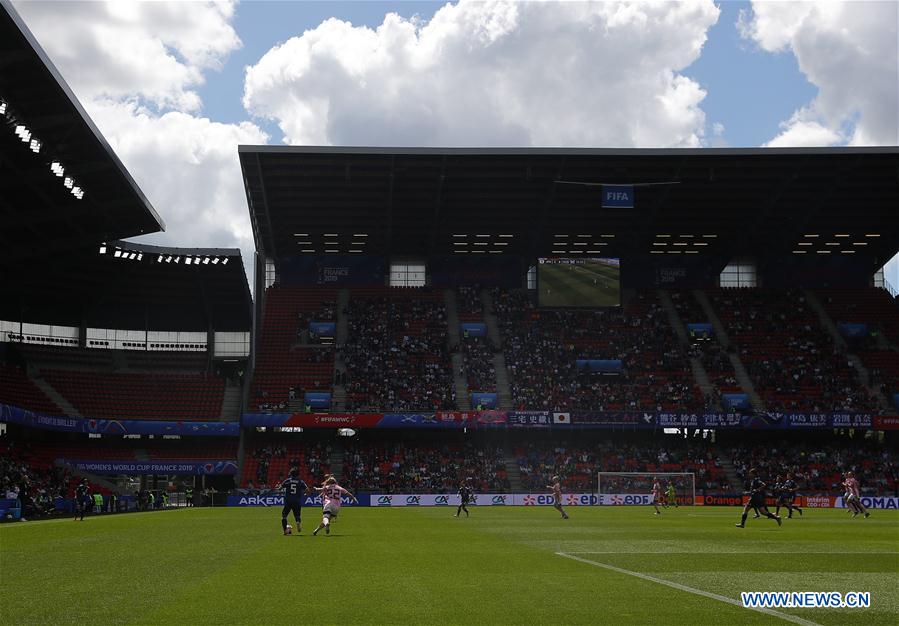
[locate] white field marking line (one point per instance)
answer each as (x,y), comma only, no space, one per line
(695,553)
(698,592)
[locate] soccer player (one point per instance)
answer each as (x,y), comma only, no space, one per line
(786,496)
(82,499)
(294,490)
(464,498)
(556,488)
(854,500)
(756,499)
(671,496)
(656,494)
(331,493)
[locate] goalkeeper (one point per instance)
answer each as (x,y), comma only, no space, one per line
(670,496)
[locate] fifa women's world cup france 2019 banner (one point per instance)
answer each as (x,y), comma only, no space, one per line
(159,467)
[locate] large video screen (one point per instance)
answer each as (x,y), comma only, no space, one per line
(584,282)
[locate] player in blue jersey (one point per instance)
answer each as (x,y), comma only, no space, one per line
(82,500)
(294,490)
(786,496)
(757,499)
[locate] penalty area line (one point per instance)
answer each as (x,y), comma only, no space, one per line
(699,592)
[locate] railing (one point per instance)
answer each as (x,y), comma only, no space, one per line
(890,288)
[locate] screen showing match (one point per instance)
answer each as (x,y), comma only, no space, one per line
(583,282)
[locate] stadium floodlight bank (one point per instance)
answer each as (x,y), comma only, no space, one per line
(635,488)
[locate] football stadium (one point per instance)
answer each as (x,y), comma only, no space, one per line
(460,385)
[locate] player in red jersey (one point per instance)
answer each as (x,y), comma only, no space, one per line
(656,494)
(556,488)
(854,500)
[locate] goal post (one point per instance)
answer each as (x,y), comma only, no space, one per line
(635,488)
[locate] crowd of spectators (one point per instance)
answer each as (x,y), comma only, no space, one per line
(396,355)
(820,469)
(477,364)
(469,304)
(579,465)
(34,484)
(542,346)
(266,466)
(419,468)
(794,364)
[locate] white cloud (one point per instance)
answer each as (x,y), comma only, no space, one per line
(135,66)
(850,51)
(492,73)
(802,130)
(188,167)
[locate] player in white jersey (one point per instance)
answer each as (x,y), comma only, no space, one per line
(331,494)
(854,499)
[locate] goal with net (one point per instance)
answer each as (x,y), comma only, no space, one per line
(635,488)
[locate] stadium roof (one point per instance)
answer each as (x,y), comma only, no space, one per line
(39,210)
(439,201)
(133,286)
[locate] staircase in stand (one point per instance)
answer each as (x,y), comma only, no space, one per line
(230,404)
(503,386)
(460,382)
(721,335)
(840,342)
(335,461)
(736,485)
(338,392)
(513,471)
(67,407)
(700,376)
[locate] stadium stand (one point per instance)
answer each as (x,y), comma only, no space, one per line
(266,464)
(579,464)
(285,368)
(870,305)
(396,351)
(16,389)
(793,362)
(819,468)
(140,396)
(477,353)
(402,467)
(541,347)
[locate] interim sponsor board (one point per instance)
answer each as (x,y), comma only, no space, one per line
(278,500)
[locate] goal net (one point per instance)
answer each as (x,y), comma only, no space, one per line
(635,488)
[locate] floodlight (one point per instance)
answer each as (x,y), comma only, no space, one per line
(68,182)
(224,261)
(215,261)
(35,145)
(57,168)
(117,253)
(103,248)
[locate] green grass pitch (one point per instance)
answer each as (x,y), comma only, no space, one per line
(423,566)
(573,285)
